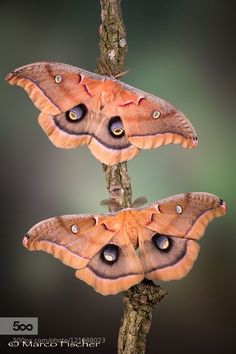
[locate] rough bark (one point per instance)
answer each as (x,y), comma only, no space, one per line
(139,300)
(113,44)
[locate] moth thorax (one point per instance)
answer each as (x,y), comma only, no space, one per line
(106,97)
(132,231)
(109,92)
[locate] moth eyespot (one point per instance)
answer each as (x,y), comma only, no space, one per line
(162,242)
(110,253)
(74,228)
(77,113)
(179,209)
(118,131)
(73,115)
(116,127)
(110,257)
(58,79)
(156,114)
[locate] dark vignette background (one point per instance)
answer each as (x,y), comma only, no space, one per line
(180,50)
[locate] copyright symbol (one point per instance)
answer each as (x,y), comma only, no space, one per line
(13,344)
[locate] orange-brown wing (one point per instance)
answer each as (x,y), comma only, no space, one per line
(183,215)
(75,108)
(114,119)
(93,130)
(168,231)
(74,239)
(66,95)
(109,143)
(115,268)
(68,134)
(97,246)
(55,88)
(150,121)
(166,257)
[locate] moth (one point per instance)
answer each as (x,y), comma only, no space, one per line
(112,252)
(115,120)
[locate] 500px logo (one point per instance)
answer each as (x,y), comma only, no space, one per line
(18,325)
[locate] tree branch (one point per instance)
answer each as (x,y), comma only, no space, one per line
(113,45)
(139,300)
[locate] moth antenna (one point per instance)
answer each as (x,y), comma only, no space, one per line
(105,202)
(111,204)
(104,67)
(139,202)
(122,74)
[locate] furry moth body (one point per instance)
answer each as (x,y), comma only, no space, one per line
(103,248)
(115,120)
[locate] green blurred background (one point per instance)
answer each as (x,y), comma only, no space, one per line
(179,50)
